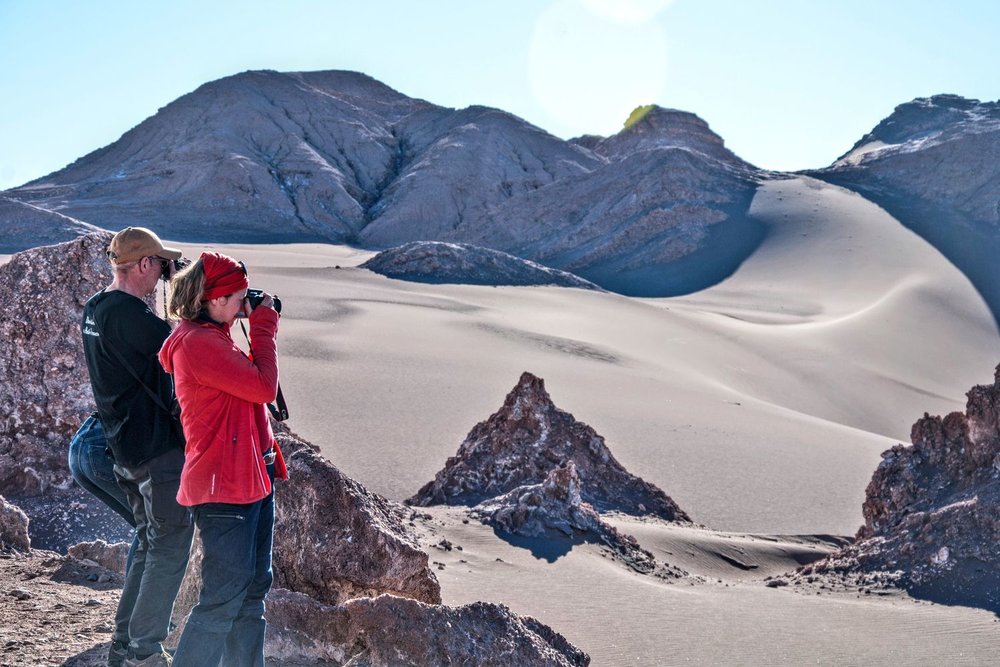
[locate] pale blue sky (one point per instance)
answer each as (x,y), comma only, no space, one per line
(789,84)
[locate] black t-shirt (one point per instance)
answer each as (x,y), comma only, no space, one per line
(136,427)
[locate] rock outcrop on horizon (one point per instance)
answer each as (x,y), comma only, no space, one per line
(387,631)
(438,262)
(934,164)
(932,509)
(337,156)
(527,439)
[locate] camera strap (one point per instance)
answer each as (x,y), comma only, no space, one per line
(152,394)
(278,409)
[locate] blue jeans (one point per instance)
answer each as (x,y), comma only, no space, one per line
(227,625)
(165,530)
(92,467)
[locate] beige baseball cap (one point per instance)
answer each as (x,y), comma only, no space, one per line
(133,243)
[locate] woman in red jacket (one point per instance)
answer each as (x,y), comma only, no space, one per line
(231,458)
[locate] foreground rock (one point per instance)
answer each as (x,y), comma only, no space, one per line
(395,632)
(13,528)
(333,539)
(554,509)
(109,556)
(436,262)
(932,510)
(527,439)
(44,386)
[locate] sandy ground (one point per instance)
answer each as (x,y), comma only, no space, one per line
(760,405)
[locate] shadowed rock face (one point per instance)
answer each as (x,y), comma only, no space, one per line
(337,156)
(527,439)
(554,509)
(436,262)
(44,386)
(932,510)
(934,164)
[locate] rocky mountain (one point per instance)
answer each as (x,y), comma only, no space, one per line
(934,164)
(336,156)
(523,442)
(932,510)
(438,262)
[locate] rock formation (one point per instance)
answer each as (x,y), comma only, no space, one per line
(395,632)
(337,156)
(934,164)
(932,510)
(13,528)
(526,440)
(437,262)
(109,556)
(554,509)
(45,389)
(336,540)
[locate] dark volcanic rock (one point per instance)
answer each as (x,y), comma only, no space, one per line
(394,632)
(932,510)
(554,509)
(934,164)
(527,439)
(13,528)
(437,262)
(44,386)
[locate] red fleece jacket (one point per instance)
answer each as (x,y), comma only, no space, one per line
(222,394)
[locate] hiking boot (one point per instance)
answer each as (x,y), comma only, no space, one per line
(162,659)
(117,653)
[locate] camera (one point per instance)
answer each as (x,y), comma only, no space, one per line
(256,296)
(177,265)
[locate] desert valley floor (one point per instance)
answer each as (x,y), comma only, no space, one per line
(760,405)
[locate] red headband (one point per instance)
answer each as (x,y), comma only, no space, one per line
(223,275)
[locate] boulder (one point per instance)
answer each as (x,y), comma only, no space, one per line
(527,439)
(13,528)
(44,384)
(333,539)
(388,631)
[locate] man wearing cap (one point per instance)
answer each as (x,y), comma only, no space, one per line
(134,397)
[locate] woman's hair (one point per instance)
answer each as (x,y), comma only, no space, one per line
(187,286)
